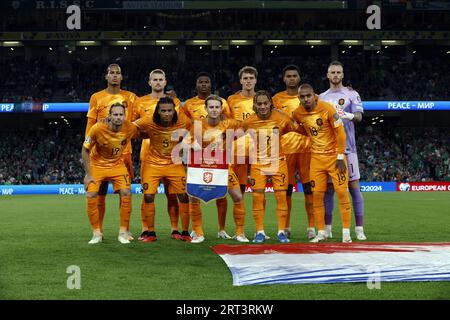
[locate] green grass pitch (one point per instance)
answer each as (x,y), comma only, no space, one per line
(43,235)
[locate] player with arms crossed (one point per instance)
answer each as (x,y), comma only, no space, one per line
(102,155)
(297,148)
(195,109)
(145,106)
(99,105)
(159,163)
(348,104)
(324,126)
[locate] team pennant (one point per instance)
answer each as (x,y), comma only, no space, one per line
(207,175)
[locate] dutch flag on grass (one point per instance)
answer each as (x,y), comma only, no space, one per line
(336,262)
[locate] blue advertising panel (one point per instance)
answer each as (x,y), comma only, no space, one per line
(367,105)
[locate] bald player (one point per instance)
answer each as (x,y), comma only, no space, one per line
(297,148)
(324,126)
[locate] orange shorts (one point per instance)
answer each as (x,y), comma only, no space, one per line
(174,174)
(117,175)
(279,174)
(241,171)
(128,161)
(323,166)
(233,180)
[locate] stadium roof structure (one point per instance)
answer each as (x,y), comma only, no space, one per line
(226,35)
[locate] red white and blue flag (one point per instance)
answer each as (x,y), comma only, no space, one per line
(206,177)
(336,262)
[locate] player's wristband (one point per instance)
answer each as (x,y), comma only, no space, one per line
(340,156)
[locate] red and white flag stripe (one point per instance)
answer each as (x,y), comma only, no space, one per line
(336,262)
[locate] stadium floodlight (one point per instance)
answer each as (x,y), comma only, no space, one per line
(313,41)
(200,41)
(239,41)
(350,41)
(11,43)
(124,42)
(275,41)
(160,42)
(388,41)
(86,42)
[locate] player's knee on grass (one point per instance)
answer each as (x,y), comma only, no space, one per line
(183,197)
(124,192)
(289,191)
(149,198)
(307,189)
(103,190)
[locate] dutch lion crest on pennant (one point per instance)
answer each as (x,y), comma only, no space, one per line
(207,177)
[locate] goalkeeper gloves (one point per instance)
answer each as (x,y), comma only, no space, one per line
(348,116)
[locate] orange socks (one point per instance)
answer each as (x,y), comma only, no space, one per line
(173,210)
(344,207)
(282,209)
(125,211)
(92,212)
(319,209)
(148,216)
(184,213)
(258,209)
(196,218)
(101,209)
(222,207)
(144,215)
(239,216)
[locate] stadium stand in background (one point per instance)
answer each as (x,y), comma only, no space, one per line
(42,62)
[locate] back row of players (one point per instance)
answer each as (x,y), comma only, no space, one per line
(313,143)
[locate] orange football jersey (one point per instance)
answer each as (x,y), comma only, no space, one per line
(320,125)
(106,146)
